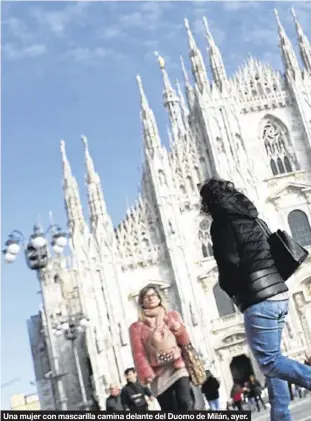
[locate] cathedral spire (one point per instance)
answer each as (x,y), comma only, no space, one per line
(217,64)
(171,101)
(71,193)
(197,62)
(183,106)
(304,44)
(189,88)
(67,173)
(97,205)
(289,58)
(168,88)
(150,128)
(91,174)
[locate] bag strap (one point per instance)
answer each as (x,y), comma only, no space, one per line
(263,227)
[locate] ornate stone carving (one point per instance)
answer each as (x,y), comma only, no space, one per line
(277,145)
(204,238)
(299,301)
(234,338)
(137,235)
(236,350)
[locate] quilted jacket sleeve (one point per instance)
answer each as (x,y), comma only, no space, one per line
(143,368)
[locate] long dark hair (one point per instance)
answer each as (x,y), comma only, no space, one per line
(213,190)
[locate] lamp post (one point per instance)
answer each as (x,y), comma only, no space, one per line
(36,254)
(72,330)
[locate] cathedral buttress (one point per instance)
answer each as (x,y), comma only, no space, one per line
(83,250)
(106,264)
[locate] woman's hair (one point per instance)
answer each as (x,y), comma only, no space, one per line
(213,190)
(144,291)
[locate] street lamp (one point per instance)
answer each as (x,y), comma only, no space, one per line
(36,254)
(36,251)
(72,330)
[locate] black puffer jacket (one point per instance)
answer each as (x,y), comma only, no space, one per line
(242,252)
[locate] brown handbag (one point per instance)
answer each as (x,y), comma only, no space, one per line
(194,365)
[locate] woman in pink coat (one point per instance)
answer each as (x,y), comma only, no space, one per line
(156,340)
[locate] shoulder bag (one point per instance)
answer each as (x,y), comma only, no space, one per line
(194,365)
(287,254)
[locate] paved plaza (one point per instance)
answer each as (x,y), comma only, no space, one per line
(301,411)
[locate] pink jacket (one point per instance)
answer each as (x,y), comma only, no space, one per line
(139,332)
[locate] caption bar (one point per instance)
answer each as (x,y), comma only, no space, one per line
(102,415)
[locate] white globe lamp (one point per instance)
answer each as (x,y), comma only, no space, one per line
(38,241)
(60,240)
(57,249)
(9,257)
(13,247)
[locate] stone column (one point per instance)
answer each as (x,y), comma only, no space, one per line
(224,364)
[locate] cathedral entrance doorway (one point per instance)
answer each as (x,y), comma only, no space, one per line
(241,368)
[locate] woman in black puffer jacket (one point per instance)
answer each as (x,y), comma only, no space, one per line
(247,273)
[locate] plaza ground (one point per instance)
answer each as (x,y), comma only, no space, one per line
(301,411)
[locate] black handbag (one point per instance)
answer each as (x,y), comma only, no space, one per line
(287,254)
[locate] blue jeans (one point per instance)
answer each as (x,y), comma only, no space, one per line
(264,324)
(214,405)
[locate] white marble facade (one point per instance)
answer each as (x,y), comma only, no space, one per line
(253,128)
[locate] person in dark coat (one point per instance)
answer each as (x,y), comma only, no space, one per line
(247,273)
(113,402)
(133,395)
(254,390)
(210,390)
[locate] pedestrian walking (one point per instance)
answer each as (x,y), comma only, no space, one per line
(237,396)
(210,390)
(134,395)
(156,339)
(248,274)
(254,391)
(113,402)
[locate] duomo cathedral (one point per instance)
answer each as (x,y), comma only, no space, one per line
(253,128)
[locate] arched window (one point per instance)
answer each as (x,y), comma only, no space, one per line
(207,251)
(280,166)
(204,251)
(273,167)
(277,143)
(224,303)
(204,238)
(300,227)
(287,164)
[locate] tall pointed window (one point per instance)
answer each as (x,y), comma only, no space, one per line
(205,239)
(224,303)
(300,227)
(277,144)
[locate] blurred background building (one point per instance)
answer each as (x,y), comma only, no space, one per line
(20,402)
